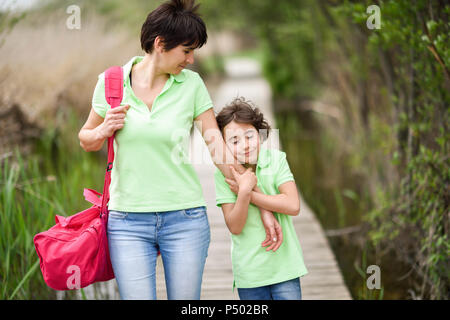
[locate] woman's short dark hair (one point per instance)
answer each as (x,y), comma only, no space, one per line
(176,22)
(242,111)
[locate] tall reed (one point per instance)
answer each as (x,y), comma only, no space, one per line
(32,190)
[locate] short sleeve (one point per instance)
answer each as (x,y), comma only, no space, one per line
(284,173)
(99,103)
(202,98)
(223,192)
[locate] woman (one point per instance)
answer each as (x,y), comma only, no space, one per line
(156,201)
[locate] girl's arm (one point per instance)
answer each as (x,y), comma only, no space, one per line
(236,213)
(287,202)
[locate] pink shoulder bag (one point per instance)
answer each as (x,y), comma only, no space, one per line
(74,252)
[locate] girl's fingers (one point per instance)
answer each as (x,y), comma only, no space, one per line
(233,172)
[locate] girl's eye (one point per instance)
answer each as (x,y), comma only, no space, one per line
(235,142)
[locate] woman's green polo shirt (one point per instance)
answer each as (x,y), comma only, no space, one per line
(252,265)
(151,170)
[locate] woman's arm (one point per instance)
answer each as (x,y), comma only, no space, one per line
(287,202)
(220,154)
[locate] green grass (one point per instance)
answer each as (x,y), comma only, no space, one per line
(33,189)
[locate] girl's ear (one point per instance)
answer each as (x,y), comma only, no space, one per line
(263,135)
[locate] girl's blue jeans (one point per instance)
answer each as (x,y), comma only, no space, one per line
(287,290)
(181,236)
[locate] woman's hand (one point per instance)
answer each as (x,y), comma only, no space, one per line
(274,234)
(114,120)
(246,181)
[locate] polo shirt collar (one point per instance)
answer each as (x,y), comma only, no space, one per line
(127,69)
(179,77)
(263,158)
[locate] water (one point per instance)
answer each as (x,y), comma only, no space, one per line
(339,197)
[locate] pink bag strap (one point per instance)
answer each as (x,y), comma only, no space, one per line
(113,95)
(114,86)
(93,197)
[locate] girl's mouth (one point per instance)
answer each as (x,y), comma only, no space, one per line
(248,153)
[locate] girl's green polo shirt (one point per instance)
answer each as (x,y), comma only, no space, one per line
(252,265)
(151,170)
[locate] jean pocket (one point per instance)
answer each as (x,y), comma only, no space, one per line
(119,215)
(194,213)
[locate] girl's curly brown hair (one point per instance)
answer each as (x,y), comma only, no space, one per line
(242,111)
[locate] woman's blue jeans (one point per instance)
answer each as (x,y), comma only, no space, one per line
(287,290)
(182,237)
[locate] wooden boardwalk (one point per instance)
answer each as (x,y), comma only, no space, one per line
(324,280)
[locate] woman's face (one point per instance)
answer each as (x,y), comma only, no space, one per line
(176,59)
(243,141)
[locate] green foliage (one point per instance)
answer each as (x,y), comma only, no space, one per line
(395,158)
(413,218)
(32,191)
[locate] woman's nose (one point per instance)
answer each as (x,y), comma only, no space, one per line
(190,57)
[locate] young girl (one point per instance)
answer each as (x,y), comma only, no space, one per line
(259,274)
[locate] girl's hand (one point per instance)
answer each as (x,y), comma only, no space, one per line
(114,120)
(246,181)
(233,185)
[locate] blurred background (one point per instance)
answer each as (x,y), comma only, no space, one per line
(363,116)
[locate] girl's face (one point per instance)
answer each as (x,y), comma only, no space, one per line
(243,141)
(177,59)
